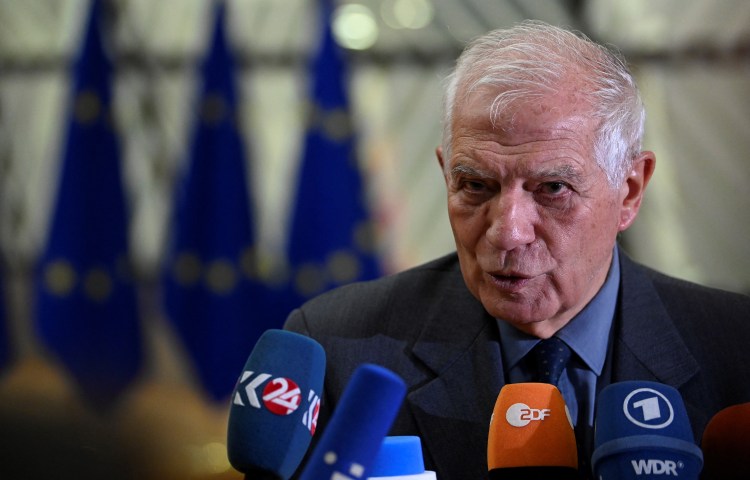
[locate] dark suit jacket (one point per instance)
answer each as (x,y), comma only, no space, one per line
(426,326)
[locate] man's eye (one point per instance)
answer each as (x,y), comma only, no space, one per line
(473,186)
(554,188)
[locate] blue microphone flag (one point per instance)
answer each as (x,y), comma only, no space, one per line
(275,405)
(360,422)
(642,431)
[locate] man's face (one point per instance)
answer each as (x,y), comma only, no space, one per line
(534,218)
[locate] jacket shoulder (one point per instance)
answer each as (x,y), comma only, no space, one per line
(714,324)
(380,305)
(690,300)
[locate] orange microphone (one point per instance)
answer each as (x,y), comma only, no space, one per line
(531,435)
(726,444)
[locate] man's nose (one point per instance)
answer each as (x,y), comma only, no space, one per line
(512,219)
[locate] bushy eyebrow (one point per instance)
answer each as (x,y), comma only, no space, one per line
(469,172)
(565,172)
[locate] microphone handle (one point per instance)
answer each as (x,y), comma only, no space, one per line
(259,474)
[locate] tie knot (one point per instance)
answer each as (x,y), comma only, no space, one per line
(552,356)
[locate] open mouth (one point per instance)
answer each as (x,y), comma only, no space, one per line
(510,282)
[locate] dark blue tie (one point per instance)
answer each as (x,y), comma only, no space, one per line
(552,355)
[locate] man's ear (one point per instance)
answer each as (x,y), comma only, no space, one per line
(634,187)
(439,154)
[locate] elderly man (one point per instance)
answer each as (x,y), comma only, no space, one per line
(543,167)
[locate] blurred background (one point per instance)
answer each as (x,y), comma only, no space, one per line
(176,175)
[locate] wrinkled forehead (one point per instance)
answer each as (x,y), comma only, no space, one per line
(516,112)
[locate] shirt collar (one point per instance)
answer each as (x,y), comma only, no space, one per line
(587,334)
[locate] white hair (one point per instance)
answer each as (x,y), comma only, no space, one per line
(529,61)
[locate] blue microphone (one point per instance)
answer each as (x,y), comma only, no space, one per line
(359,424)
(275,405)
(400,458)
(642,432)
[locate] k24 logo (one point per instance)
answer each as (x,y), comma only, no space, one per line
(280,396)
(310,418)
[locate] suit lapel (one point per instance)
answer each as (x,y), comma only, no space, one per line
(647,343)
(452,411)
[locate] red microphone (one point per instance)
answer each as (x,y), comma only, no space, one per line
(726,444)
(531,435)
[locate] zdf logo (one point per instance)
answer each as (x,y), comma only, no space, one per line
(648,408)
(280,396)
(520,414)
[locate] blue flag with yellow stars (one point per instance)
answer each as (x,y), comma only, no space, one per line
(211,295)
(85,298)
(332,237)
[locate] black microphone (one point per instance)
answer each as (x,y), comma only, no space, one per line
(275,406)
(360,422)
(642,431)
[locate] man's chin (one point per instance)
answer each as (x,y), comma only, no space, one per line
(541,328)
(515,308)
(531,322)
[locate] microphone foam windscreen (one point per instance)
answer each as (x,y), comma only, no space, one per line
(726,444)
(358,425)
(642,431)
(531,434)
(400,458)
(275,404)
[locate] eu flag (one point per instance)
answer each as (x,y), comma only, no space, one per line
(211,295)
(85,299)
(332,236)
